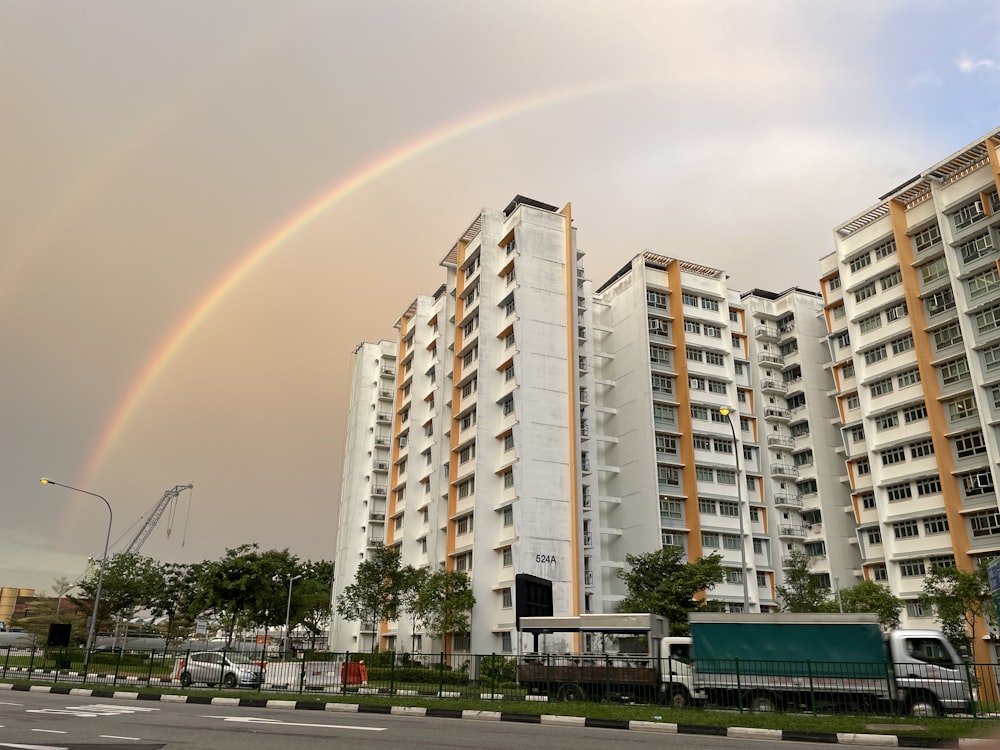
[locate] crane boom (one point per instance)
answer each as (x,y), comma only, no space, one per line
(153,518)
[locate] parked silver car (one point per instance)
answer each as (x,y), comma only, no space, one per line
(216,667)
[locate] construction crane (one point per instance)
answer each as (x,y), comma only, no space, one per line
(169,499)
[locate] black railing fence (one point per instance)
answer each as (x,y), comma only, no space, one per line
(810,686)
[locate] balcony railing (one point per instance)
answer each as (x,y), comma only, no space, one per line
(770,384)
(784,470)
(588,578)
(779,441)
(770,358)
(783,498)
(776,412)
(765,332)
(792,531)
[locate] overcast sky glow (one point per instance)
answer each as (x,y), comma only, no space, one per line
(206,206)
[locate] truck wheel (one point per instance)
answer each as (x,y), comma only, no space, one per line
(924,707)
(762,702)
(572,692)
(676,696)
(186,679)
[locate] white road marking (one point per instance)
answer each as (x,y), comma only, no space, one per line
(31,747)
(50,731)
(5,703)
(89,712)
(276,722)
(116,737)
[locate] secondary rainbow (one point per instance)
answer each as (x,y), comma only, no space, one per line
(230,280)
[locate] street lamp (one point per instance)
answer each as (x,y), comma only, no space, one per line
(100,575)
(726,412)
(288,610)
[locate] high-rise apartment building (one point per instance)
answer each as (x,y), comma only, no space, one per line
(526,423)
(912,307)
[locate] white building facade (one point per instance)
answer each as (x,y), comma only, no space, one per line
(912,297)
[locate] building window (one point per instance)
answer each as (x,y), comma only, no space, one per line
(927,238)
(867,500)
(890,280)
(970,444)
(704,474)
(984,283)
(508,557)
(508,441)
(985,524)
(865,292)
(892,456)
(928,486)
(463,525)
(874,536)
(879,573)
(950,335)
(976,248)
(903,344)
(871,323)
(887,421)
(508,478)
(897,492)
(863,467)
(507,599)
(833,283)
(709,540)
(692,326)
(881,387)
(709,304)
(936,525)
(912,568)
(876,355)
(467,488)
(988,319)
(657,299)
(921,449)
(689,299)
(915,413)
(508,515)
(905,529)
(961,408)
(671,509)
(727,508)
(914,608)
(934,270)
(467,453)
(859,262)
(706,506)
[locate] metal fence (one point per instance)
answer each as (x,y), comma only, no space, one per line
(803,686)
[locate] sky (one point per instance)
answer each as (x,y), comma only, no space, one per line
(206,206)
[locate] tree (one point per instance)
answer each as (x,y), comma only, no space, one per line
(174,594)
(959,599)
(60,587)
(128,579)
(801,591)
(311,598)
(663,583)
(414,581)
(246,587)
(444,603)
(868,596)
(374,595)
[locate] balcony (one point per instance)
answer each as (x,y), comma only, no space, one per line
(791,532)
(766,332)
(375,516)
(389,372)
(777,413)
(787,500)
(385,394)
(588,578)
(381,466)
(779,441)
(383,418)
(784,470)
(381,440)
(376,542)
(588,539)
(770,358)
(773,386)
(378,490)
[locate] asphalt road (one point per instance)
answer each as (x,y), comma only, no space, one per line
(44,721)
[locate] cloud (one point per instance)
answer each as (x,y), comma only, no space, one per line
(966,64)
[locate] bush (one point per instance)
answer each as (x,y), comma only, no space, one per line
(431,676)
(497,669)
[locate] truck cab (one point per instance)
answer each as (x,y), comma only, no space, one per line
(930,676)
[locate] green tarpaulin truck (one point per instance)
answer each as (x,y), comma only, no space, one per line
(824,662)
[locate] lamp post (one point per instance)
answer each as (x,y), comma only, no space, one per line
(727,413)
(100,575)
(288,610)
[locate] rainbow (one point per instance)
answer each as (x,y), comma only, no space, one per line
(230,280)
